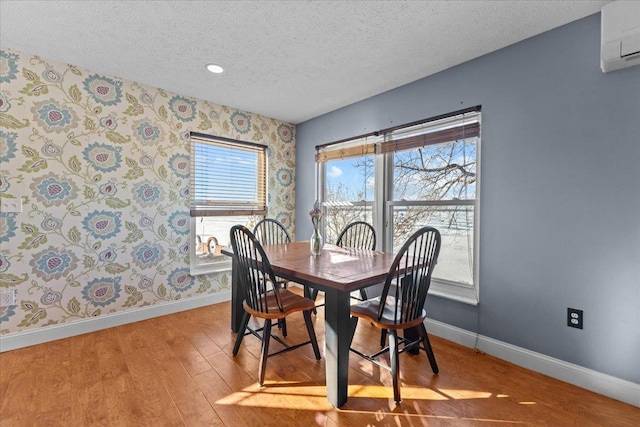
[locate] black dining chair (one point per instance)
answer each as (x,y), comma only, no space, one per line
(263,301)
(270,231)
(357,235)
(401,304)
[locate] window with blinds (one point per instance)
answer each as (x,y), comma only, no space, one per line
(434,182)
(228,177)
(228,186)
(409,176)
(349,182)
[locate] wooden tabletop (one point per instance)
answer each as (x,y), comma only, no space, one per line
(344,269)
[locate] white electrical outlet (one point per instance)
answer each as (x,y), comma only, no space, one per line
(11,205)
(7,298)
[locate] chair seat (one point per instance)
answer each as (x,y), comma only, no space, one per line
(291,303)
(369,310)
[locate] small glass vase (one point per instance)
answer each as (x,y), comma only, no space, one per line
(315,243)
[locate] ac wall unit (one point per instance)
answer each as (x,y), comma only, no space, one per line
(620,42)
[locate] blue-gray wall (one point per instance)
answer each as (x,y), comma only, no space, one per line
(560,192)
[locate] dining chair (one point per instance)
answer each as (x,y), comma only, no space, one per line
(263,301)
(401,304)
(270,231)
(358,235)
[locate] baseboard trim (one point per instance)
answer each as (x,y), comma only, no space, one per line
(607,385)
(66,330)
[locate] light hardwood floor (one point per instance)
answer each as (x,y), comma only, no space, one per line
(177,370)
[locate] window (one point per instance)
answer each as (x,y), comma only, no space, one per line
(228,187)
(415,175)
(349,184)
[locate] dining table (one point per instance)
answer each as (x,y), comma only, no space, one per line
(337,271)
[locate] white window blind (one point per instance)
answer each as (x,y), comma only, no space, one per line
(228,177)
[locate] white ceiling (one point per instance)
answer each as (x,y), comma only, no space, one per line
(290,60)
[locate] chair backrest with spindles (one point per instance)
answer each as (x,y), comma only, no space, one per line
(407,283)
(254,270)
(271,232)
(359,235)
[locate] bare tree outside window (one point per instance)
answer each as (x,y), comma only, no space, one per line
(444,174)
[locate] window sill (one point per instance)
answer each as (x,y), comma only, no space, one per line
(210,269)
(465,294)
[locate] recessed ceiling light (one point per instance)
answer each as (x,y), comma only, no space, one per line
(214,68)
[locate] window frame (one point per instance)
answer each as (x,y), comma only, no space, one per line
(384,204)
(199,208)
(353,148)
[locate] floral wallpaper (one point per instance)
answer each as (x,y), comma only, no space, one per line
(102,168)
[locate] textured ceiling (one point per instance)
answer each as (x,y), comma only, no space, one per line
(290,60)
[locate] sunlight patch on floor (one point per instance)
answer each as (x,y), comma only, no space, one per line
(400,419)
(305,397)
(408,392)
(315,396)
(465,394)
(297,396)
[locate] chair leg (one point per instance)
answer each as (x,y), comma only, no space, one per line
(395,363)
(383,338)
(282,325)
(428,349)
(266,337)
(313,294)
(354,325)
(243,327)
(312,333)
(363,294)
